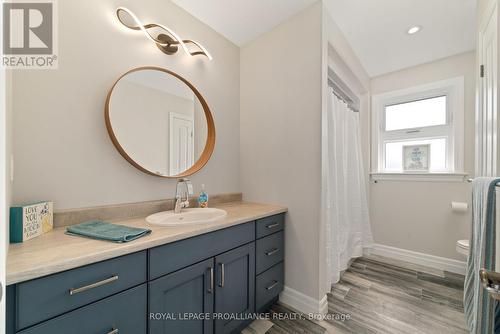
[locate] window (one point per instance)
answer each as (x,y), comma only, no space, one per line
(430,117)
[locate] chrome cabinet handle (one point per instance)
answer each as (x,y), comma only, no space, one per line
(491,282)
(211,288)
(74,291)
(113,331)
(273,225)
(222,275)
(271,252)
(272,286)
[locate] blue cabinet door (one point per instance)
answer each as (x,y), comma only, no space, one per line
(235,291)
(179,301)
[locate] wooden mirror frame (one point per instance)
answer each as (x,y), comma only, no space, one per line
(209,144)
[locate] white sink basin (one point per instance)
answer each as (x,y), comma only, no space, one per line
(194,216)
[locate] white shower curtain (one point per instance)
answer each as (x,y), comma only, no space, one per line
(344,201)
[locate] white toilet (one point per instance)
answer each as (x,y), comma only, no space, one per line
(463,247)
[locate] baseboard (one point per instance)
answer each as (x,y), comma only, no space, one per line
(302,302)
(432,261)
(323,305)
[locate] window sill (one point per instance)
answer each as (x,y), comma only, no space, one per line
(422,177)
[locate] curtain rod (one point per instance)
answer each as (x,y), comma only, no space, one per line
(338,92)
(349,103)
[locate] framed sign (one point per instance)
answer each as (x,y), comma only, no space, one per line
(416,158)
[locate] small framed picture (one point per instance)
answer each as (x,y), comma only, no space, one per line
(416,158)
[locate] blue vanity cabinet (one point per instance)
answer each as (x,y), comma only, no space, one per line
(47,297)
(122,313)
(180,254)
(270,225)
(175,297)
(206,284)
(269,251)
(270,254)
(224,285)
(235,291)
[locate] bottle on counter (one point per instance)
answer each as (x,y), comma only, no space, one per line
(203,198)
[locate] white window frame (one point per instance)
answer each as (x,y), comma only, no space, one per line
(453,89)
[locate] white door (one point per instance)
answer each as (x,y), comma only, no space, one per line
(181,143)
(487,95)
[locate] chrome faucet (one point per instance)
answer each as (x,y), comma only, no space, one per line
(184,187)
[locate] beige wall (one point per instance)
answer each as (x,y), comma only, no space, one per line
(62,150)
(5,150)
(281,136)
(417,215)
(9,144)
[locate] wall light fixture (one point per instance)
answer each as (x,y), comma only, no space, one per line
(166,40)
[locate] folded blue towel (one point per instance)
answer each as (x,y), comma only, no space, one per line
(96,229)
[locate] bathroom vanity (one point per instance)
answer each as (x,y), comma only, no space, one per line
(207,277)
(195,279)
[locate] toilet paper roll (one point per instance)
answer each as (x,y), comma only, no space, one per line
(459,206)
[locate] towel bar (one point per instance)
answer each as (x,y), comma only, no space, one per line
(491,282)
(470,181)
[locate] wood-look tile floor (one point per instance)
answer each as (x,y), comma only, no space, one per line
(385,296)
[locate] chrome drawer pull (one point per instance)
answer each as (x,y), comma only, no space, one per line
(272,286)
(74,291)
(271,252)
(211,288)
(222,275)
(273,225)
(114,331)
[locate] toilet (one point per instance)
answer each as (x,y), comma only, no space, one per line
(463,247)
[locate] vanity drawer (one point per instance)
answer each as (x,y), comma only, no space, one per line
(270,225)
(43,298)
(124,313)
(269,251)
(268,286)
(180,254)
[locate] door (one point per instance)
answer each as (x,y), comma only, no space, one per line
(235,291)
(189,291)
(181,145)
(487,95)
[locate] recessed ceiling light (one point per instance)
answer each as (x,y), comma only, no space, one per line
(414,30)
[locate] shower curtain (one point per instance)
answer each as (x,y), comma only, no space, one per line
(344,202)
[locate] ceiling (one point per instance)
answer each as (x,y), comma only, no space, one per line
(241,21)
(376,29)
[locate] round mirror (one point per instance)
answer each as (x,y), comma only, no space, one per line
(159,122)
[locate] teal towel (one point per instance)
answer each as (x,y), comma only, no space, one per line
(105,231)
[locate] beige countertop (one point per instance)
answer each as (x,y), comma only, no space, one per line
(55,251)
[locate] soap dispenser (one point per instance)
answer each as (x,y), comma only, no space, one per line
(203,198)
